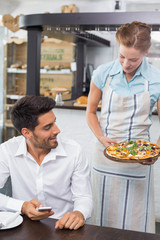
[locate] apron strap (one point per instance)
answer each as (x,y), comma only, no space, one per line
(108,81)
(146,86)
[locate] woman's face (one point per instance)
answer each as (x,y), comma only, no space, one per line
(130,59)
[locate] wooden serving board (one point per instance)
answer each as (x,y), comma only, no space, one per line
(76,104)
(147,160)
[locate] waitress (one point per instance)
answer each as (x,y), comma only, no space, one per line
(129,87)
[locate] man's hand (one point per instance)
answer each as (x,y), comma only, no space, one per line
(71,220)
(29,209)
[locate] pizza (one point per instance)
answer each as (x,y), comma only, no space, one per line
(133,150)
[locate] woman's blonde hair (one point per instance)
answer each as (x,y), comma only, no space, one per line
(135,34)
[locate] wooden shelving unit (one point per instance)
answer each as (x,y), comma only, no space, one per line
(57,74)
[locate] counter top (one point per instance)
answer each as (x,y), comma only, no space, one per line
(69,104)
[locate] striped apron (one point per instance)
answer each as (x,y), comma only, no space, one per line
(123,192)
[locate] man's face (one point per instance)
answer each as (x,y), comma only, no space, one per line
(45,133)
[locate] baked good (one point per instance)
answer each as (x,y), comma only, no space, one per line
(24,66)
(16,65)
(138,150)
(59,90)
(82,100)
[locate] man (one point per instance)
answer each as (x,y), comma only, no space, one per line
(44,171)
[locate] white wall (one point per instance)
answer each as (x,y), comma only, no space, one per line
(100,55)
(31,7)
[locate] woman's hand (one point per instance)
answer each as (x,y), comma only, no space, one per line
(158,142)
(149,162)
(106,141)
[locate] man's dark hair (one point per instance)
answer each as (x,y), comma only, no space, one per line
(26,111)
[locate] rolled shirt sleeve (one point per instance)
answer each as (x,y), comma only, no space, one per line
(10,204)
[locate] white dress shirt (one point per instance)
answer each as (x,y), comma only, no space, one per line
(62,181)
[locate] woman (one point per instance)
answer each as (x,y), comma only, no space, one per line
(129,87)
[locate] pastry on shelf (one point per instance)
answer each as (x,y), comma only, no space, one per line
(16,65)
(47,67)
(24,66)
(57,67)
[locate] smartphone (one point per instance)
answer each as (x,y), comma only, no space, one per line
(42,209)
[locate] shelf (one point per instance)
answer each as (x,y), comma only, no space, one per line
(42,71)
(16,70)
(14,96)
(102,21)
(9,105)
(8,123)
(62,71)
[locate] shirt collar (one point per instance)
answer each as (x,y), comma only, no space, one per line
(143,70)
(22,149)
(116,68)
(58,151)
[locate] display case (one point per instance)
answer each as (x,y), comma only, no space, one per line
(55,72)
